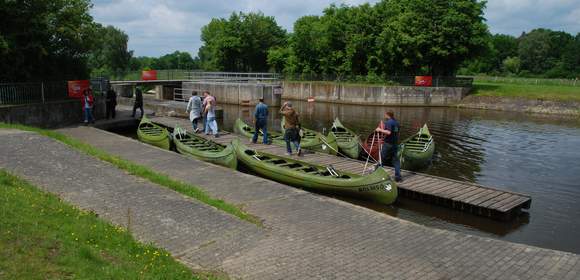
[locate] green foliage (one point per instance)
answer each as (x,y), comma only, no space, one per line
(43,237)
(390,38)
(109,56)
(512,65)
(143,172)
(240,43)
(541,52)
(45,39)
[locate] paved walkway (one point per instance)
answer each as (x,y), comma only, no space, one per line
(306,236)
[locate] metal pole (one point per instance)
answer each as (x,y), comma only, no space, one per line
(42,91)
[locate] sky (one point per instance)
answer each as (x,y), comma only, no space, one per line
(158,27)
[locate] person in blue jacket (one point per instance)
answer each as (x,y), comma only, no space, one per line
(261,122)
(389,151)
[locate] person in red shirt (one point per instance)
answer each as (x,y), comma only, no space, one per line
(88,102)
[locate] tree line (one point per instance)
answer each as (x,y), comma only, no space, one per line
(58,39)
(538,53)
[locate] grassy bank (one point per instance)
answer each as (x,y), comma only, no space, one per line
(41,237)
(528,91)
(143,172)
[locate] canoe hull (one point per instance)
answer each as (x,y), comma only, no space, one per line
(161,140)
(347,141)
(411,159)
(226,157)
(376,186)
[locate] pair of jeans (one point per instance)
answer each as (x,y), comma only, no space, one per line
(291,136)
(89,115)
(389,156)
(194,123)
(261,124)
(135,106)
(211,126)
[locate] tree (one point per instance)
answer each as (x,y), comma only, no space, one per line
(512,65)
(45,39)
(109,55)
(240,43)
(542,49)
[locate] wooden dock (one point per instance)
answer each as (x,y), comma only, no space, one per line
(463,196)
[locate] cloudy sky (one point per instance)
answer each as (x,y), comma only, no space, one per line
(157,27)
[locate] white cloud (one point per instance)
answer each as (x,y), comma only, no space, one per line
(157,27)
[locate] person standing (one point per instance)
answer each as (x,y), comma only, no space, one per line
(87,103)
(261,122)
(291,128)
(138,102)
(390,146)
(195,110)
(111,103)
(211,126)
(207,98)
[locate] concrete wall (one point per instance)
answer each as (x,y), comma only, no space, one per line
(374,95)
(50,114)
(238,93)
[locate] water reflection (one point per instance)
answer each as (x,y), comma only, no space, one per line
(531,154)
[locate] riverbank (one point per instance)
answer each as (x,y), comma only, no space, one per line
(528,98)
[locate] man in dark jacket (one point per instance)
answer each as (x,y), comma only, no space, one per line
(261,122)
(390,130)
(111,103)
(138,101)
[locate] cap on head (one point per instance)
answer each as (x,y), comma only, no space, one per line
(289,104)
(261,99)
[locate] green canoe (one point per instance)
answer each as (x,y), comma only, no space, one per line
(153,134)
(195,146)
(417,150)
(348,142)
(376,186)
(311,140)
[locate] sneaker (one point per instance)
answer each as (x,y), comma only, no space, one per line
(288,154)
(398,179)
(196,130)
(216,135)
(253,142)
(299,152)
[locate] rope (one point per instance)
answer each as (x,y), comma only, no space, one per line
(369,155)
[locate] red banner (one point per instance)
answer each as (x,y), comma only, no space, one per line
(76,88)
(423,81)
(148,75)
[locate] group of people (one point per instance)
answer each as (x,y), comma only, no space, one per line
(204,111)
(291,126)
(389,128)
(88,104)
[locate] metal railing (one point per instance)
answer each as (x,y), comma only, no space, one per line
(28,93)
(438,81)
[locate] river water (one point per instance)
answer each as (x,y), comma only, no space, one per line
(531,154)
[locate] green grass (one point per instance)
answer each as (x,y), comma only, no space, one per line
(143,172)
(42,237)
(528,91)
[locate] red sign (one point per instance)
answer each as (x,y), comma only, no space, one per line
(148,75)
(423,81)
(76,88)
